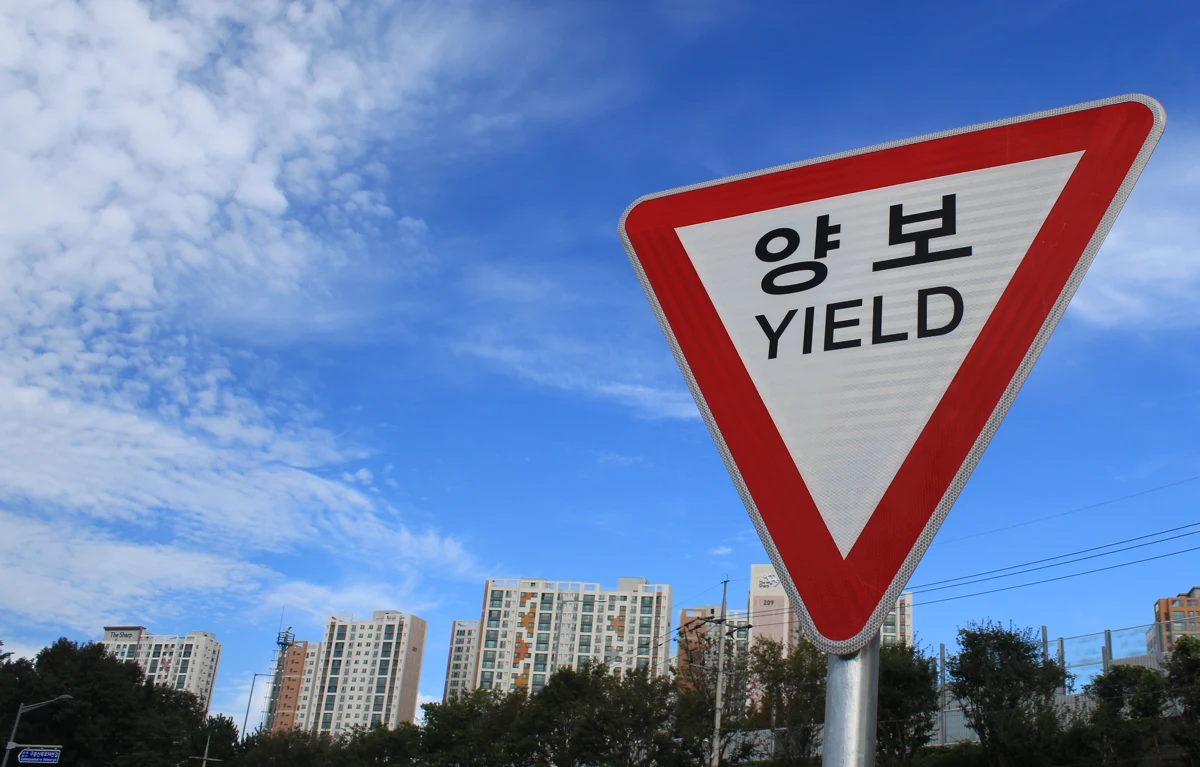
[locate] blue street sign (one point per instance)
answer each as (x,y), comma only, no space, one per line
(38,756)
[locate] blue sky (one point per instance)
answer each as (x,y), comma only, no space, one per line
(316,311)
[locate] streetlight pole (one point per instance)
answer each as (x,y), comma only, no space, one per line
(257,674)
(21,709)
(246,721)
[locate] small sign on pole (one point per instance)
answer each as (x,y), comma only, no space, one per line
(38,756)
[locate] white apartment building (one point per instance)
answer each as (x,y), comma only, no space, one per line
(531,627)
(772,616)
(183,661)
(460,663)
(362,673)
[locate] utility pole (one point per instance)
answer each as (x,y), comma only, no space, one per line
(204,760)
(716,744)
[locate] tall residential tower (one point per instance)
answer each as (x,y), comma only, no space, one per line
(183,661)
(362,673)
(531,627)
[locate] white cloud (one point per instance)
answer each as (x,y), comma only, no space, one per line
(589,342)
(1148,271)
(54,573)
(27,650)
(422,699)
(177,178)
(721,551)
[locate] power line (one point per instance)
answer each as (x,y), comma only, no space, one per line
(1059,578)
(1066,513)
(966,580)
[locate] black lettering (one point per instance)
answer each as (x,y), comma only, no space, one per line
(923,329)
(773,334)
(824,244)
(947,215)
(819,273)
(809,317)
(832,324)
(877,336)
(791,241)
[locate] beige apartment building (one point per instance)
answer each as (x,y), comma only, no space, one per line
(183,661)
(461,659)
(530,627)
(363,673)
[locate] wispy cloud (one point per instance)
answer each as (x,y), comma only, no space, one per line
(183,181)
(1148,272)
(721,551)
(53,573)
(545,330)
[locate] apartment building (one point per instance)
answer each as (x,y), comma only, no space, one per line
(363,673)
(1175,617)
(696,648)
(773,617)
(461,659)
(531,627)
(183,661)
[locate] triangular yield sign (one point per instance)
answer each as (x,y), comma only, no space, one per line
(854,328)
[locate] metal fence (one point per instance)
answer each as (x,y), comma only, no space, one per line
(1085,657)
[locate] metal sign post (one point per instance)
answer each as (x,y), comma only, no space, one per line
(851,703)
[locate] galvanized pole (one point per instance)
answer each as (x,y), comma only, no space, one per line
(851,704)
(716,744)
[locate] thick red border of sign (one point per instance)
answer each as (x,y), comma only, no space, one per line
(840,595)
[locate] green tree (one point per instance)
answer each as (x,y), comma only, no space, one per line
(379,745)
(223,732)
(695,699)
(1183,680)
(638,723)
(480,728)
(965,754)
(908,704)
(1126,715)
(114,717)
(790,689)
(293,748)
(565,719)
(1007,690)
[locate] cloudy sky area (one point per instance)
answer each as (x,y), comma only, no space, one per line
(312,308)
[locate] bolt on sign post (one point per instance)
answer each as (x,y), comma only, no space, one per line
(854,328)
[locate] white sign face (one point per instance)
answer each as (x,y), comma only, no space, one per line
(887,289)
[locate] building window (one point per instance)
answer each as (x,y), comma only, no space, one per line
(543,643)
